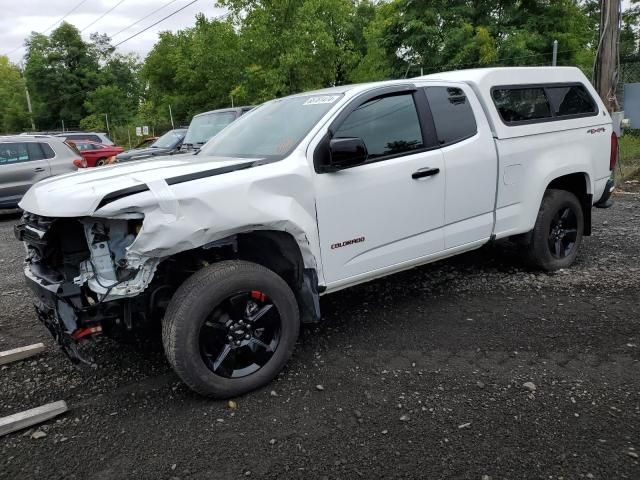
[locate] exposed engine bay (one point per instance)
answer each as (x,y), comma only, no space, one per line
(83,281)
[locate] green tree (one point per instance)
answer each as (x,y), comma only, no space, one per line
(60,71)
(297,45)
(70,79)
(13,106)
(193,70)
(441,34)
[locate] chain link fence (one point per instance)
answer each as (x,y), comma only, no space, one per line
(629,73)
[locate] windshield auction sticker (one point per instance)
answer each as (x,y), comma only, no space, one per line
(321,100)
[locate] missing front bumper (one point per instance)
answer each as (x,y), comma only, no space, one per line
(54,311)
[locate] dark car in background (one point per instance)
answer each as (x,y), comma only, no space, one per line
(167,144)
(205,126)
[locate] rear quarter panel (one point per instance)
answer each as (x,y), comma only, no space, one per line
(63,161)
(528,164)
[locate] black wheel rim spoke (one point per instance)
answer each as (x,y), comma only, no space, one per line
(241,335)
(222,357)
(558,249)
(563,233)
(237,304)
(260,313)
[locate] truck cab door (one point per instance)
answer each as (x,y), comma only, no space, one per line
(388,210)
(471,162)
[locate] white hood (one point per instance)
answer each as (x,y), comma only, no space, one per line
(79,194)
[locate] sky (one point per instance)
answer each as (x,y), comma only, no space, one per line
(20,17)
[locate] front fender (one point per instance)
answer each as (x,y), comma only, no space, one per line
(189,215)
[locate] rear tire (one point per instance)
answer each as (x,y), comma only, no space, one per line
(100,162)
(209,346)
(558,231)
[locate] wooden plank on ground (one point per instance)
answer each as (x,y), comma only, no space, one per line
(31,417)
(21,353)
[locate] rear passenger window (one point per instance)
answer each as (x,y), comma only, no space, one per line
(452,114)
(521,104)
(571,100)
(47,150)
(35,151)
(387,125)
(13,153)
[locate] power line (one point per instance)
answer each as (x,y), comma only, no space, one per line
(143,18)
(63,17)
(156,23)
(103,15)
(78,5)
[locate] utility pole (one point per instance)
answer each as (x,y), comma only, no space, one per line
(171,116)
(554,61)
(605,72)
(106,119)
(26,91)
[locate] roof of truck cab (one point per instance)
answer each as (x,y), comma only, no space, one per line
(482,77)
(486,78)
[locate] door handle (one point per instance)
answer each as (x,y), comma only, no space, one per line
(425,172)
(38,169)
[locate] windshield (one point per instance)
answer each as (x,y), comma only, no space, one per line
(203,127)
(272,130)
(169,139)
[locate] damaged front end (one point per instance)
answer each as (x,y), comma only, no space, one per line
(84,282)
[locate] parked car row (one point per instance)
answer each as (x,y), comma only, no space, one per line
(30,157)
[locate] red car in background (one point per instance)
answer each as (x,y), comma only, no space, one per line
(96,154)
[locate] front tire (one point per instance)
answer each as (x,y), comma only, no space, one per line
(558,231)
(230,328)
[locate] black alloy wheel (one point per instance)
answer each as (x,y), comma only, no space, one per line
(563,232)
(557,234)
(241,335)
(230,328)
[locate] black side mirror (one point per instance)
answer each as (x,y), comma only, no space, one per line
(346,152)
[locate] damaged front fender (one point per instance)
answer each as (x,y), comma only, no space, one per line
(190,215)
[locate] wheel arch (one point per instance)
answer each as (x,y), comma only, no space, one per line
(278,251)
(579,184)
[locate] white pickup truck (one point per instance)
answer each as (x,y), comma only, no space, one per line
(231,248)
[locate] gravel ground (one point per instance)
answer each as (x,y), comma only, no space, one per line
(473,368)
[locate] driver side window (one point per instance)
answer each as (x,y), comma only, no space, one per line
(389,126)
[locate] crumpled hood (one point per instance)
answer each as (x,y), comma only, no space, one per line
(80,193)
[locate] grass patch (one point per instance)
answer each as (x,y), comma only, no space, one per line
(629,164)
